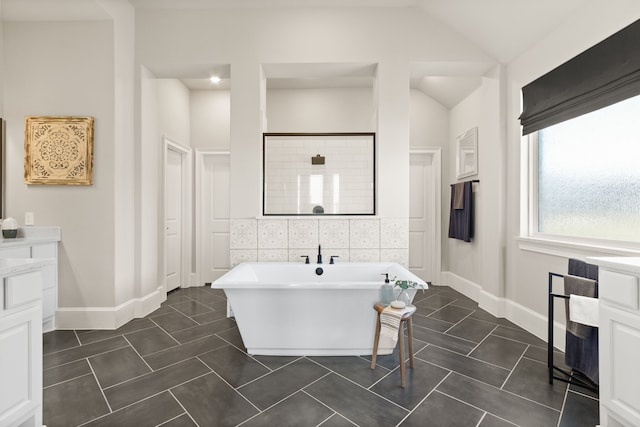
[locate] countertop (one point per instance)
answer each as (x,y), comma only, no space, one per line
(629,264)
(32,235)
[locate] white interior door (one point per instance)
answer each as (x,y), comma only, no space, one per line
(214,208)
(173,218)
(424,215)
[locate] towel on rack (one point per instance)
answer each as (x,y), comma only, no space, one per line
(581,354)
(574,285)
(390,325)
(584,310)
(461,220)
(458,195)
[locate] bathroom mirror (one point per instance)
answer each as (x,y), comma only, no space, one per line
(318,174)
(467,153)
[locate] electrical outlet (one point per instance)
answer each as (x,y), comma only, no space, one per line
(28,218)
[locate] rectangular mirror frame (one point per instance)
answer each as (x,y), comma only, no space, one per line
(314,148)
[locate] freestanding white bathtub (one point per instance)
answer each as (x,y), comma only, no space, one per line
(287,309)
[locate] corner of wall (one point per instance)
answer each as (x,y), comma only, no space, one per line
(522,316)
(108,318)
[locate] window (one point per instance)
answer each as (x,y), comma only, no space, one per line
(588,175)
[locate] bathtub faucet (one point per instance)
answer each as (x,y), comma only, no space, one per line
(319,255)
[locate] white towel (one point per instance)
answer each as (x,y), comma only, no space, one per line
(390,324)
(584,310)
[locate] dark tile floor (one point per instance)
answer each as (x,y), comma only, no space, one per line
(185,365)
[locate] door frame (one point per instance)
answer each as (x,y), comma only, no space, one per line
(186,232)
(201,154)
(436,257)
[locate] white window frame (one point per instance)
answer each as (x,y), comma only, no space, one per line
(565,246)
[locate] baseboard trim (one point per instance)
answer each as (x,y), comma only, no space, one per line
(108,317)
(522,316)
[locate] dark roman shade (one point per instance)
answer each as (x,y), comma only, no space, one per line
(607,73)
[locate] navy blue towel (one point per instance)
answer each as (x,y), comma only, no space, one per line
(461,220)
(581,354)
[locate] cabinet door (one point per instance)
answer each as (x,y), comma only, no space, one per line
(50,272)
(20,365)
(619,355)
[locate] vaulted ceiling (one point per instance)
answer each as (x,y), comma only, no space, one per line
(503,29)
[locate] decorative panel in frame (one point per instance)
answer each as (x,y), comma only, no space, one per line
(58,150)
(467,154)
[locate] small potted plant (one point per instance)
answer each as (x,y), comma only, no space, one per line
(403,298)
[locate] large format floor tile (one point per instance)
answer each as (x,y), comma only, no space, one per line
(185,365)
(73,402)
(212,402)
(508,406)
(357,404)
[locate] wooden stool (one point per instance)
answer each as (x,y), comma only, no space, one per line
(406,318)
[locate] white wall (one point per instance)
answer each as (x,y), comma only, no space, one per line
(428,123)
(210,119)
(65,68)
(173,111)
(148,276)
(320,110)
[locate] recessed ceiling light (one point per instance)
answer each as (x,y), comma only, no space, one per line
(214,79)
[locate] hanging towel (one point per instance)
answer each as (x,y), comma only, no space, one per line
(574,285)
(582,269)
(461,220)
(390,325)
(458,195)
(581,354)
(584,310)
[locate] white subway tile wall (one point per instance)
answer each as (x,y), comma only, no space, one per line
(351,240)
(344,183)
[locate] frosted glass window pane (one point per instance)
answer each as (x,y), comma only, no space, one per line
(589,175)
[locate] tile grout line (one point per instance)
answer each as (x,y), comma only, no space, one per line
(564,401)
(139,355)
(459,321)
(425,398)
(481,419)
(85,357)
(270,372)
(326,406)
(167,332)
(476,407)
(358,385)
(449,369)
(104,396)
(483,340)
(183,408)
(174,418)
(260,411)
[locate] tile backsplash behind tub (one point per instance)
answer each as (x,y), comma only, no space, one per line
(354,239)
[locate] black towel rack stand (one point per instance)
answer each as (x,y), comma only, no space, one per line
(572,378)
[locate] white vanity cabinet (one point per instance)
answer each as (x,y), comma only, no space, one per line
(38,243)
(619,340)
(21,341)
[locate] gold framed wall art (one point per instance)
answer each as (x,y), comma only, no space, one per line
(58,150)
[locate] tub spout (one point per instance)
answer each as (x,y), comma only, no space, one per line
(319,255)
